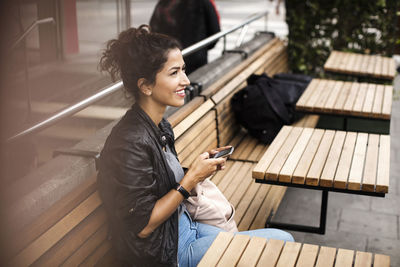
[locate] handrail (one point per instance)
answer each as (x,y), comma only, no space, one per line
(118,85)
(30,28)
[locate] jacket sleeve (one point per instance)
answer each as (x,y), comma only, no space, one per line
(212,21)
(136,186)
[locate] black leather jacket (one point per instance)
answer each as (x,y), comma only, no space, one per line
(133,175)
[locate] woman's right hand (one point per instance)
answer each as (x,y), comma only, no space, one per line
(201,168)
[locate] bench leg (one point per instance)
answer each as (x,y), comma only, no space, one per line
(305,228)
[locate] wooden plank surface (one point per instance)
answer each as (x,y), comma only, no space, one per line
(289,255)
(216,250)
(308,256)
(332,161)
(253,252)
(271,253)
(381,260)
(363,259)
(326,257)
(343,169)
(318,163)
(371,163)
(280,158)
(361,65)
(265,161)
(234,251)
(382,183)
(291,163)
(344,258)
(357,165)
(306,159)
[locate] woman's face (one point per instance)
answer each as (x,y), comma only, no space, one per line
(171,81)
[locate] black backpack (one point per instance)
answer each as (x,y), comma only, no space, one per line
(266,104)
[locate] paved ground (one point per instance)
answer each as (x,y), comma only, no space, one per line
(355,222)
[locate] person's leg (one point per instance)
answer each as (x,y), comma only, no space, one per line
(270,233)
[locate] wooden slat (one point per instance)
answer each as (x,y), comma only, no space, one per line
(306,159)
(369,99)
(385,67)
(273,170)
(378,101)
(343,169)
(237,180)
(332,161)
(234,251)
(185,124)
(315,95)
(349,66)
(387,102)
(357,165)
(359,102)
(253,208)
(294,157)
(289,254)
(216,250)
(357,63)
(303,100)
(365,63)
(371,163)
(55,233)
(241,190)
(378,67)
(336,92)
(271,253)
(270,203)
(184,140)
(363,259)
(343,60)
(371,66)
(96,255)
(381,260)
(344,258)
(344,93)
(245,202)
(326,257)
(253,252)
(184,111)
(324,96)
(308,256)
(265,161)
(382,183)
(392,69)
(318,163)
(90,245)
(73,240)
(329,62)
(348,105)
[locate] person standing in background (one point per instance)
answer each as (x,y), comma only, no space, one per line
(188,21)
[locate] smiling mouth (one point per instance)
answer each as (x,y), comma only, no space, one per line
(180,92)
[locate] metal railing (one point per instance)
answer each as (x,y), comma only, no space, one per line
(118,85)
(30,28)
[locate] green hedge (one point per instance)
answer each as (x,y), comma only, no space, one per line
(318,26)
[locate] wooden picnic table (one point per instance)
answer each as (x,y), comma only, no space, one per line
(361,65)
(326,160)
(361,106)
(243,250)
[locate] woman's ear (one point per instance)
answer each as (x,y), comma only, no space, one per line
(143,87)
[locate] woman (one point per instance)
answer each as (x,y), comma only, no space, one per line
(140,180)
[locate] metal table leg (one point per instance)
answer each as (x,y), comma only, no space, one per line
(305,228)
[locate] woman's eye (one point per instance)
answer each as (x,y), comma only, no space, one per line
(174,73)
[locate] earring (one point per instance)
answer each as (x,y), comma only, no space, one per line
(149,93)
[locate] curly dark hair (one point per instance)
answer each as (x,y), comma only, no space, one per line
(137,53)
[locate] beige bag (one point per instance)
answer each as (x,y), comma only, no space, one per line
(208,205)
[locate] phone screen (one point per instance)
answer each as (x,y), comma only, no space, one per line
(225,152)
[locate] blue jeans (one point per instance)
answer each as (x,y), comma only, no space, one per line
(195,238)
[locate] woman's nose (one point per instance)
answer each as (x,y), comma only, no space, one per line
(185,79)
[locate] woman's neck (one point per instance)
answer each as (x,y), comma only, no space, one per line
(155,112)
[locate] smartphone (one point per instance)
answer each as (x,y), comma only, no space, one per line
(223,153)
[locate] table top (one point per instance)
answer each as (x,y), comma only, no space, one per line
(361,65)
(242,250)
(367,100)
(327,159)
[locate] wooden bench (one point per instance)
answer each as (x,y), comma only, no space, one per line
(361,65)
(241,250)
(350,106)
(74,230)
